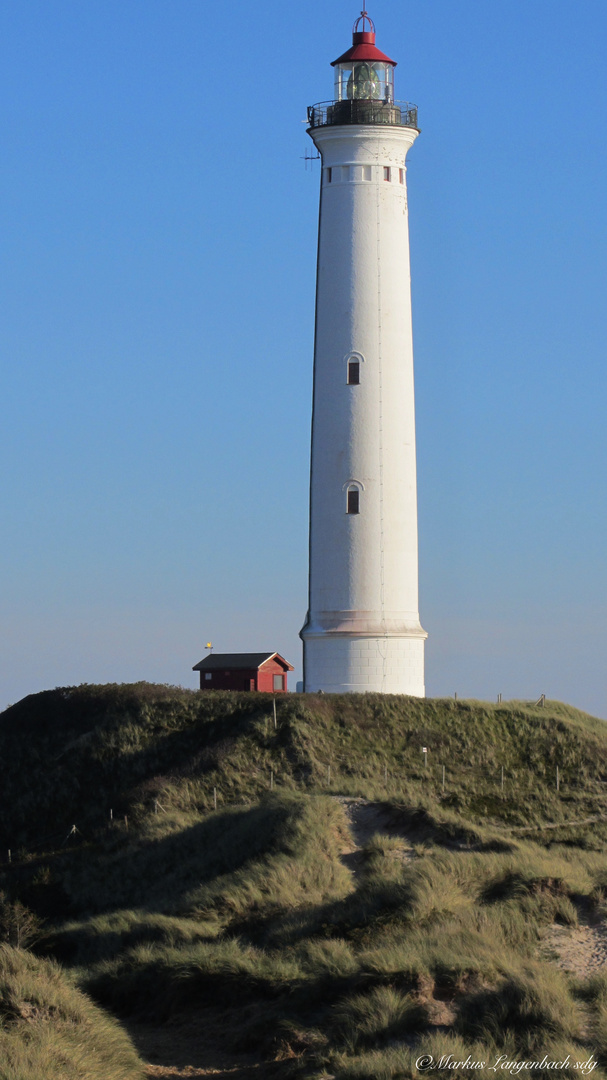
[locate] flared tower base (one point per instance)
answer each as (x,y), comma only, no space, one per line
(357,663)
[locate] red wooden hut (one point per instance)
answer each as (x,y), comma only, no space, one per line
(265,671)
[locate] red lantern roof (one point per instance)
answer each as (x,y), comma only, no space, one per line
(363,44)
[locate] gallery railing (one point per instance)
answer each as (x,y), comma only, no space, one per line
(395,113)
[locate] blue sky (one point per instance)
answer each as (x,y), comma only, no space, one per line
(158,242)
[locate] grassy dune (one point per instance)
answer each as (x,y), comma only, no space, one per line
(76,753)
(247,917)
(49,1028)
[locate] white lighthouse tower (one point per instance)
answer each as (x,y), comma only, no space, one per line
(362,631)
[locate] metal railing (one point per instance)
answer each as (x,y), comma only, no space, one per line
(358,111)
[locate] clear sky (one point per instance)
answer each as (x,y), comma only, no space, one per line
(158,234)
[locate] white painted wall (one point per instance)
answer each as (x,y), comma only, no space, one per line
(363,631)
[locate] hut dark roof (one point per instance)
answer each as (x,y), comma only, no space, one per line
(237,661)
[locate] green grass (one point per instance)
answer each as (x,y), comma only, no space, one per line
(378,1016)
(248,913)
(92,749)
(50,1028)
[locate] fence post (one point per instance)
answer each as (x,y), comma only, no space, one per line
(214,798)
(443,777)
(274,704)
(558,779)
(328,774)
(385,774)
(10,858)
(502,777)
(126,823)
(271,779)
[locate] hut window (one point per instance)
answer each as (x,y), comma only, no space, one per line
(353,373)
(353,494)
(278,682)
(207,675)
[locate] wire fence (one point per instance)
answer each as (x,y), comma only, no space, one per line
(447,779)
(337,776)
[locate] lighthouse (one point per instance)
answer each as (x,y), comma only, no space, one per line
(362,631)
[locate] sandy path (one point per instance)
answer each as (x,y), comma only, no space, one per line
(365,819)
(581,950)
(172,1072)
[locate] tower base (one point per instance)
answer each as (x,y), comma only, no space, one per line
(354,663)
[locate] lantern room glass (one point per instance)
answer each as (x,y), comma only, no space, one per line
(364,80)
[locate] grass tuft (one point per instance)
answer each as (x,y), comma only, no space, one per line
(49,1028)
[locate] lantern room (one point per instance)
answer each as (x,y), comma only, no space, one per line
(364,86)
(364,73)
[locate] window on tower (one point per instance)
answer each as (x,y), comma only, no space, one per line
(353,373)
(353,500)
(401,175)
(328,175)
(387,173)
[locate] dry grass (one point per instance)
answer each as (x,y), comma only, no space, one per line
(251,910)
(49,1028)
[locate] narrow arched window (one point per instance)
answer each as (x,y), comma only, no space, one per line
(353,372)
(353,503)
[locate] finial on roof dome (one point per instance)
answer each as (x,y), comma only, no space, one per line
(368,24)
(363,42)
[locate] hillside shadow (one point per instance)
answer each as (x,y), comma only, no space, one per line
(201,1042)
(155,874)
